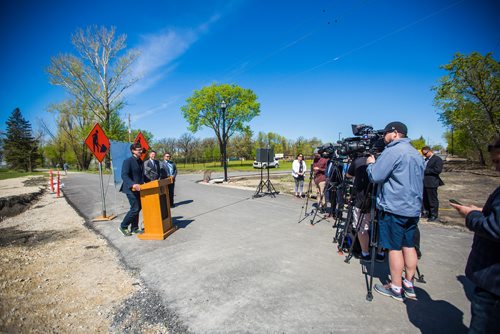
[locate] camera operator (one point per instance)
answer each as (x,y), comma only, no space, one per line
(483,265)
(398,172)
(362,205)
(319,168)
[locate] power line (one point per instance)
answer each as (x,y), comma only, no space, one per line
(378,39)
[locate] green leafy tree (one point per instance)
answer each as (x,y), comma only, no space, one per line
(74,122)
(225,109)
(210,149)
(20,147)
(241,146)
(147,134)
(418,143)
(469,101)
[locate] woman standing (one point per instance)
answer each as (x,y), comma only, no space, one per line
(298,171)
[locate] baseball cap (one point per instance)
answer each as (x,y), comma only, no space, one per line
(396,126)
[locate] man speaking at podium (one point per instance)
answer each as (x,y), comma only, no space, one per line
(133,177)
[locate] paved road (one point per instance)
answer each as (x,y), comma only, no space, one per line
(238,264)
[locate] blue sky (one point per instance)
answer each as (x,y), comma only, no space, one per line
(316,66)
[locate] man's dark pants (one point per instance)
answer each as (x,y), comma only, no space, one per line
(431,202)
(171,187)
(485,309)
(132,217)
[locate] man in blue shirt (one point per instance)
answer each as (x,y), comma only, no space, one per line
(398,173)
(168,168)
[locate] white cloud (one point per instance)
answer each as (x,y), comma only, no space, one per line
(153,110)
(159,51)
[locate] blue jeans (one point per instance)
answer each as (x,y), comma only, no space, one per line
(485,309)
(132,217)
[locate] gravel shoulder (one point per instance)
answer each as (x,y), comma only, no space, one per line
(58,275)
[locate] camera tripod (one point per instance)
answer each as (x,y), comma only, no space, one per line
(314,210)
(334,187)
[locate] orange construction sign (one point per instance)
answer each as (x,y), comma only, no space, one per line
(98,142)
(144,144)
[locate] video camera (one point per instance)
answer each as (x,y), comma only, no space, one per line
(366,142)
(329,150)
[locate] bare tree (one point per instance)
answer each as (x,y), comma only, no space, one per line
(98,75)
(165,145)
(185,144)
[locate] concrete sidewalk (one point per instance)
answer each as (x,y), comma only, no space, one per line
(239,264)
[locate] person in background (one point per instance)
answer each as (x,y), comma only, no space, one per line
(65,168)
(433,167)
(168,168)
(133,177)
(298,171)
(483,265)
(151,168)
(319,168)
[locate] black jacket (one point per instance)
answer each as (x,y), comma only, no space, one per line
(433,168)
(483,266)
(132,173)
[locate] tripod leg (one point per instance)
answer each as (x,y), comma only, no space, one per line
(420,277)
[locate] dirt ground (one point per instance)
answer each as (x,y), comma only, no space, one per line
(58,275)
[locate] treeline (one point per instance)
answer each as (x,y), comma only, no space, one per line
(23,150)
(469,101)
(185,149)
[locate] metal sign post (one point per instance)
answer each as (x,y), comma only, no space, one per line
(103,198)
(98,143)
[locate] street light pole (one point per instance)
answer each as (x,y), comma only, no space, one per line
(452,127)
(224,142)
(340,133)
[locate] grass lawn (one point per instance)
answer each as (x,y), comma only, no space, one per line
(10,174)
(231,166)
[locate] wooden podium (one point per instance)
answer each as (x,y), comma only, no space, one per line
(156,210)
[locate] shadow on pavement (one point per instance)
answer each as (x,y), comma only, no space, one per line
(380,273)
(184,202)
(434,316)
(181,223)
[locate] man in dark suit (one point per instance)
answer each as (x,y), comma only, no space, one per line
(433,167)
(133,177)
(168,168)
(151,168)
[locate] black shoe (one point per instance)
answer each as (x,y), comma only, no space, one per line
(432,219)
(380,257)
(172,205)
(366,258)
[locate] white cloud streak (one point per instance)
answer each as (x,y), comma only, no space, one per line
(159,51)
